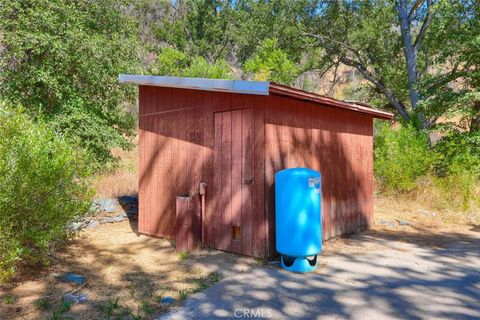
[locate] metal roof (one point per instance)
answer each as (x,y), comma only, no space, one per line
(236,86)
(264,88)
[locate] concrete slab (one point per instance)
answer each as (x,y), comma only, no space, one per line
(400,280)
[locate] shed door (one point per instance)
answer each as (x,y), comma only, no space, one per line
(233,176)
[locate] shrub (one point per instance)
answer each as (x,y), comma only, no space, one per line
(43,187)
(458,166)
(401,157)
(443,177)
(458,152)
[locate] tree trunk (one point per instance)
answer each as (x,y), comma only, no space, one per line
(410,59)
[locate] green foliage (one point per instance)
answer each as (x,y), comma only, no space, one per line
(199,28)
(446,176)
(61,60)
(366,35)
(458,152)
(42,304)
(172,62)
(9,299)
(59,312)
(401,157)
(184,294)
(458,165)
(183,255)
(43,187)
(271,63)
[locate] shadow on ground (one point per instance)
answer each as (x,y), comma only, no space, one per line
(407,275)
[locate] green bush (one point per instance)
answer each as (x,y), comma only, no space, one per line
(458,166)
(458,152)
(444,177)
(401,157)
(43,187)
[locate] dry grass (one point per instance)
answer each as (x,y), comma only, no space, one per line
(123,180)
(127,274)
(421,215)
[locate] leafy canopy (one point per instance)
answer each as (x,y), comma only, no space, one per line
(271,63)
(172,62)
(61,60)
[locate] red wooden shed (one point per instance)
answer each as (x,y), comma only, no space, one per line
(234,136)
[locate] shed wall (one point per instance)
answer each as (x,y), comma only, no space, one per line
(176,145)
(338,144)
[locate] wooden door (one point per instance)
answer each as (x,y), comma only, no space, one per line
(234,180)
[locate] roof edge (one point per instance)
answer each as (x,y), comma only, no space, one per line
(278,89)
(236,86)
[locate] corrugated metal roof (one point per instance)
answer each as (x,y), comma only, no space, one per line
(250,87)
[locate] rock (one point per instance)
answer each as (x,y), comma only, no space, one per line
(403,223)
(94,208)
(426,213)
(119,218)
(107,220)
(128,200)
(93,224)
(75,298)
(73,278)
(106,205)
(122,214)
(76,226)
(167,300)
(388,223)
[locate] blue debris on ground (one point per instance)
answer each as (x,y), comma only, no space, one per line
(75,297)
(167,300)
(73,278)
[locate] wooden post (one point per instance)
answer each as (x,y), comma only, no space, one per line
(188,223)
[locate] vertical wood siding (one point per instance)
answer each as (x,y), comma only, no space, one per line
(337,143)
(177,139)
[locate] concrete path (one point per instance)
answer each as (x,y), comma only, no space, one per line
(392,279)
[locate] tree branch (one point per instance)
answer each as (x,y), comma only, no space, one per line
(425,25)
(413,11)
(399,106)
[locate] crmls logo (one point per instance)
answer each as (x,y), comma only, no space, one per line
(252,313)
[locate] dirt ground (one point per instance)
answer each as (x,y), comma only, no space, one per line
(128,274)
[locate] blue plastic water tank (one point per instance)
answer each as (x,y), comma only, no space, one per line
(298,218)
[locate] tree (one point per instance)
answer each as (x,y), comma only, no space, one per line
(199,28)
(400,49)
(271,63)
(61,61)
(172,62)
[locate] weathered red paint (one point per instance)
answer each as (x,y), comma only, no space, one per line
(235,143)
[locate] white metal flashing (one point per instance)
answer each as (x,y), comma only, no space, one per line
(237,86)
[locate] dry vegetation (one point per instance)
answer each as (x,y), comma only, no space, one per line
(123,179)
(127,275)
